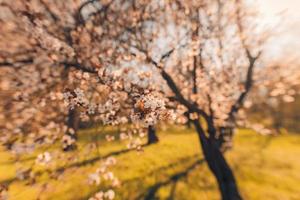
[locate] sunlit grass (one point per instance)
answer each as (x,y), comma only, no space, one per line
(266,168)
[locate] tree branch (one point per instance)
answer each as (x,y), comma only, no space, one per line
(247,86)
(16,63)
(79,67)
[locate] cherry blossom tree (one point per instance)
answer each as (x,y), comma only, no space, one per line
(276,92)
(20,61)
(171,61)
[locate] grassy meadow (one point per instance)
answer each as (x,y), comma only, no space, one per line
(266,167)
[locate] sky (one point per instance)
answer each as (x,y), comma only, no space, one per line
(285,15)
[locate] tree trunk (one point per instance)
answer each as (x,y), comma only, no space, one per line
(69,142)
(189,121)
(225,138)
(188,124)
(152,137)
(218,165)
(278,118)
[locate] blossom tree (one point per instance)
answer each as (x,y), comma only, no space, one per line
(34,82)
(277,90)
(166,60)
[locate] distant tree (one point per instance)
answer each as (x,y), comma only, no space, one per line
(277,95)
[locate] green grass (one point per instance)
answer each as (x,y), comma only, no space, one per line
(266,168)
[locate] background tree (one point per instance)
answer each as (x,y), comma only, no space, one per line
(277,96)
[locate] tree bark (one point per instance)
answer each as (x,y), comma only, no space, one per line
(73,126)
(278,117)
(152,137)
(225,138)
(218,165)
(189,121)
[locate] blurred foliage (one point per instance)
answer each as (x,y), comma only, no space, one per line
(283,116)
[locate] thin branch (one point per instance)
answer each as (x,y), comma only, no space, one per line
(16,63)
(48,9)
(78,66)
(252,59)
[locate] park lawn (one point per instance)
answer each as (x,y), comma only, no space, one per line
(266,167)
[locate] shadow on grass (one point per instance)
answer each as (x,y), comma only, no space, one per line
(12,161)
(152,190)
(163,168)
(7,182)
(95,159)
(83,163)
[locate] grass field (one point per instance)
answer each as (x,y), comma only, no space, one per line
(266,168)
